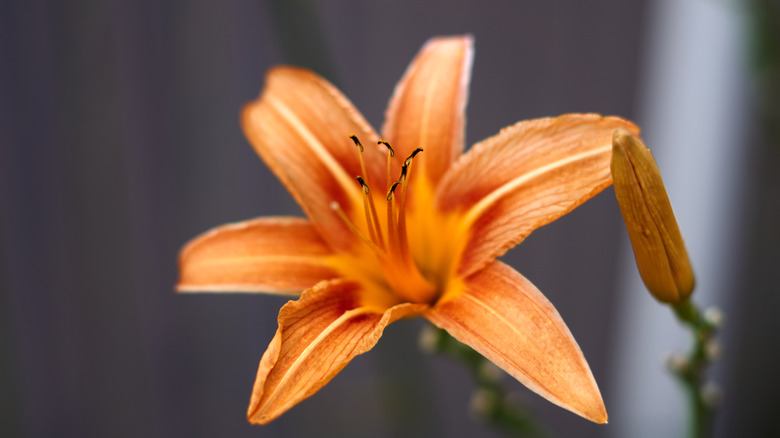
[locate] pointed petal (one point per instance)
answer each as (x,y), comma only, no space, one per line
(500,314)
(317,336)
(526,176)
(427,109)
(300,126)
(282,255)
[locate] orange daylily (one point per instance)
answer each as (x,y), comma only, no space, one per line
(416,235)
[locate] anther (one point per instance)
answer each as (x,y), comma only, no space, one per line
(387,145)
(404,169)
(362,183)
(392,190)
(357,142)
(408,161)
(374,227)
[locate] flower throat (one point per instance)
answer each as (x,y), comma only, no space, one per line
(387,237)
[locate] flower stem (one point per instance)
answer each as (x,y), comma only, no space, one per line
(490,401)
(690,370)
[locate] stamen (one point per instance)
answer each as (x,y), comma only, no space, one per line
(360,155)
(362,183)
(390,155)
(389,240)
(405,172)
(357,142)
(372,218)
(392,190)
(393,244)
(337,208)
(389,148)
(408,160)
(392,217)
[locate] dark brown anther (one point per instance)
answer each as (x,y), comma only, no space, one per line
(362,184)
(389,148)
(408,161)
(392,191)
(357,142)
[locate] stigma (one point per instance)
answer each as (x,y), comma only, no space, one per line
(386,235)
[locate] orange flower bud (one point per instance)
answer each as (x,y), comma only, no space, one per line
(658,246)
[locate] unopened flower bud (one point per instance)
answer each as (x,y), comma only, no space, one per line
(658,246)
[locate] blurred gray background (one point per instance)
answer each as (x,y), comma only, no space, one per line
(119,141)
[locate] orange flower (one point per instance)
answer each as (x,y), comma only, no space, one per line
(416,235)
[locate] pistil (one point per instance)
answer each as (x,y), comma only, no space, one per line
(343,216)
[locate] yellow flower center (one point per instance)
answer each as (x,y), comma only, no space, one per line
(387,234)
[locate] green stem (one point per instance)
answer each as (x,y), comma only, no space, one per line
(691,371)
(490,402)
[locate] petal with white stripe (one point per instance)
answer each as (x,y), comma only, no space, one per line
(279,255)
(500,314)
(318,336)
(525,177)
(301,127)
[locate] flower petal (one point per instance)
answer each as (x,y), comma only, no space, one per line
(500,314)
(283,255)
(300,126)
(317,336)
(427,109)
(526,176)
